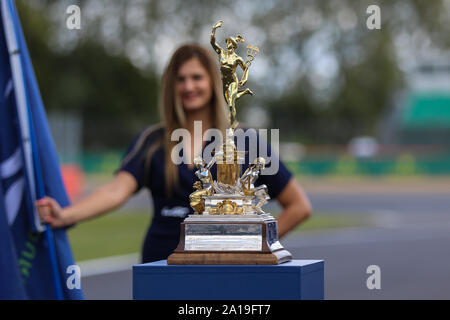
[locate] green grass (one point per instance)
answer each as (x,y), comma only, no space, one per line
(118,233)
(122,232)
(325,221)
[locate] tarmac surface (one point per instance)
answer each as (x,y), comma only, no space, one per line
(408,238)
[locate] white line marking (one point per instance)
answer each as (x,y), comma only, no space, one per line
(108,265)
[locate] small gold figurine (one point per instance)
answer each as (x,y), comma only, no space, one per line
(249,178)
(229,61)
(204,187)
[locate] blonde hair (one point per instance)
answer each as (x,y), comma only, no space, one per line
(171,108)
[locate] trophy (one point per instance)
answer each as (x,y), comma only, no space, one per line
(229,225)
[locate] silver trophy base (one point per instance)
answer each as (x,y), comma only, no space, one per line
(229,239)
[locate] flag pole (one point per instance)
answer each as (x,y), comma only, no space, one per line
(40,193)
(28,138)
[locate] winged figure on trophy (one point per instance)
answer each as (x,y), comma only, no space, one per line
(229,61)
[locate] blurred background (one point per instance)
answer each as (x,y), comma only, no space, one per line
(364,118)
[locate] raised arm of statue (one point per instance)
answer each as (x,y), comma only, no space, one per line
(215,46)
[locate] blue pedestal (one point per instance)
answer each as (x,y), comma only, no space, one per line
(295,280)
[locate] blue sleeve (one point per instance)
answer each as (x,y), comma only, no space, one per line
(134,162)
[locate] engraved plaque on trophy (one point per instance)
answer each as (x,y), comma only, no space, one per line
(229,226)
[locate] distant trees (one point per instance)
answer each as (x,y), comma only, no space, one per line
(115,99)
(321,75)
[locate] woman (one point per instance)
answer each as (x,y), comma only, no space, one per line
(191,90)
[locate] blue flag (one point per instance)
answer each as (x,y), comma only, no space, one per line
(35,261)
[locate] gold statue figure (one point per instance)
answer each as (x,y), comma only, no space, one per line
(229,61)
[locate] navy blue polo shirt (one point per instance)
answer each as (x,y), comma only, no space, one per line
(170,210)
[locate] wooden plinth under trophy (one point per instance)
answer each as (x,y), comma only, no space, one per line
(229,240)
